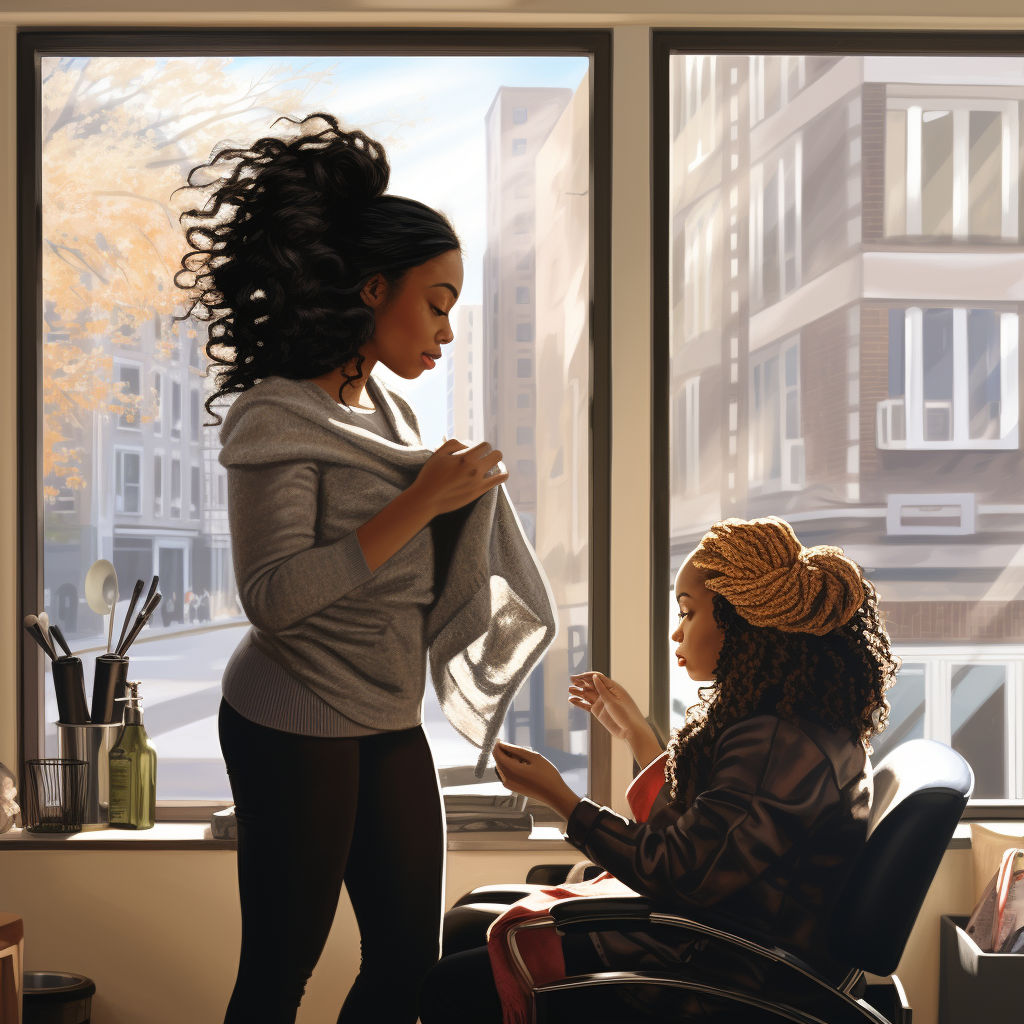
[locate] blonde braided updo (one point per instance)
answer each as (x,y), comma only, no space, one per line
(771,579)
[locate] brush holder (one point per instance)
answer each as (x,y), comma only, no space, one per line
(69,685)
(92,744)
(108,684)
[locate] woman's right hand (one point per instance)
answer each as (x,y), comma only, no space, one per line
(455,475)
(609,703)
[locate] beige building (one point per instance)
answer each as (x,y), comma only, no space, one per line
(464,400)
(562,311)
(516,126)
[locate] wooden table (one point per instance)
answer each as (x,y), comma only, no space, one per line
(12,965)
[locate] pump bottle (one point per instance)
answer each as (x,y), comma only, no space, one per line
(132,769)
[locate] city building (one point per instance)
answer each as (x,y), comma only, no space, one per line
(846,283)
(154,498)
(516,125)
(464,398)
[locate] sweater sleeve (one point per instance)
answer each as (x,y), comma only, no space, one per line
(282,576)
(765,791)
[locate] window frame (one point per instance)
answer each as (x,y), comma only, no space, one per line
(593,43)
(664,44)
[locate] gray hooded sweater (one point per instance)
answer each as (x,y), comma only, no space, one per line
(467,591)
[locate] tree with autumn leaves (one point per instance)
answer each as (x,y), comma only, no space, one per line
(119,137)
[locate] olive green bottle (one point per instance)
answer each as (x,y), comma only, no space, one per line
(132,769)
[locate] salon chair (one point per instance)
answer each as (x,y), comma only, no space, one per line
(920,791)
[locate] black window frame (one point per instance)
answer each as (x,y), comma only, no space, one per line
(34,44)
(665,43)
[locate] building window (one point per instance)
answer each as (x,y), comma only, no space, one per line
(521,224)
(523,400)
(518,147)
(952,379)
(524,261)
(525,467)
(175,486)
(127,481)
(195,416)
(193,492)
(524,332)
(158,400)
(951,168)
(65,501)
(965,698)
(175,409)
(158,484)
(698,109)
(519,115)
(701,296)
(523,367)
(131,377)
(776,446)
(524,435)
(685,433)
(522,296)
(222,490)
(775,190)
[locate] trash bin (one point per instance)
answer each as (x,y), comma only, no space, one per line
(57,997)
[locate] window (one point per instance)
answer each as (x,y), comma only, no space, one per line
(837,290)
(127,481)
(966,697)
(950,167)
(130,377)
(158,400)
(194,419)
(524,435)
(175,486)
(533,131)
(523,400)
(776,443)
(175,409)
(158,484)
(775,240)
(952,379)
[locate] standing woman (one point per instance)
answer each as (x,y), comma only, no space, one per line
(310,275)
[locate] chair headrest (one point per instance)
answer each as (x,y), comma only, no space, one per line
(920,792)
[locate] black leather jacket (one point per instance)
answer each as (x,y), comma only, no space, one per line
(767,845)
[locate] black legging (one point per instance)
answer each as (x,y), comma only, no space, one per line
(310,813)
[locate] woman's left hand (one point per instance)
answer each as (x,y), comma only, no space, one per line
(525,771)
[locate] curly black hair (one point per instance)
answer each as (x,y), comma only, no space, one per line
(285,244)
(839,679)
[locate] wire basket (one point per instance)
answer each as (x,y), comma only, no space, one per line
(55,794)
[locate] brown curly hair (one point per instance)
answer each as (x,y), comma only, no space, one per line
(802,637)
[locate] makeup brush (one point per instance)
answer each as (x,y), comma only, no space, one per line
(121,645)
(55,632)
(44,625)
(139,584)
(143,618)
(31,623)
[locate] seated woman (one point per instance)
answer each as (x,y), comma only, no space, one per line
(758,810)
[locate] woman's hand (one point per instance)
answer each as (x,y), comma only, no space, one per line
(609,703)
(454,475)
(525,771)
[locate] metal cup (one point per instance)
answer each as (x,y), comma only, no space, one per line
(108,684)
(92,744)
(69,684)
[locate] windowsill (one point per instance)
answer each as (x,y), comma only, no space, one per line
(195,835)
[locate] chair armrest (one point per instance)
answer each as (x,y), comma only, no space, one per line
(786,971)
